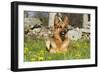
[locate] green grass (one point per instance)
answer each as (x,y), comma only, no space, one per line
(35,50)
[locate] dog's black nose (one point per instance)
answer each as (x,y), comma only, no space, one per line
(62,33)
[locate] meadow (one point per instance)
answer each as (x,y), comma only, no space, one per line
(35,50)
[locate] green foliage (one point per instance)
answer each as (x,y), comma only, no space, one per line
(35,50)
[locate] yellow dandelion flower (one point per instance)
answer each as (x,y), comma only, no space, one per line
(41,52)
(32,59)
(77,45)
(26,50)
(49,58)
(78,54)
(40,58)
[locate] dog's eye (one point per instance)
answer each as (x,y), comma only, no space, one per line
(60,27)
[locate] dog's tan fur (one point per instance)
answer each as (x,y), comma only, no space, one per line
(56,42)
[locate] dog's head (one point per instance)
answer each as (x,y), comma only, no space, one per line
(60,24)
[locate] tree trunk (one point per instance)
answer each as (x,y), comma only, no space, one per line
(51,19)
(85,20)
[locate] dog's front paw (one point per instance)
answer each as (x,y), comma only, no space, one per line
(52,51)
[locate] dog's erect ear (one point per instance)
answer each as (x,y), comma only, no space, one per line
(66,20)
(57,20)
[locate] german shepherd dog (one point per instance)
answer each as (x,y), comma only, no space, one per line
(58,43)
